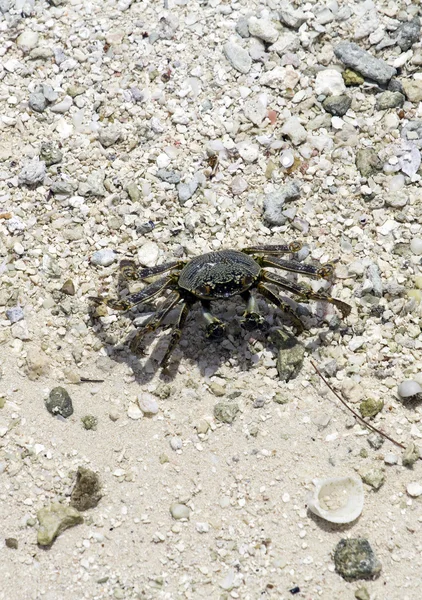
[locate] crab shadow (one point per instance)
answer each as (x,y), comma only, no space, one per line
(237,345)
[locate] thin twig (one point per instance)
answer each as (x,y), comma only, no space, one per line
(86,380)
(354,413)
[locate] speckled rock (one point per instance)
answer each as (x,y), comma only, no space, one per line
(368,162)
(54,520)
(388,99)
(87,491)
(354,559)
(373,477)
(226,412)
(33,173)
(337,105)
(371,407)
(59,402)
(290,355)
(364,63)
(411,455)
(408,34)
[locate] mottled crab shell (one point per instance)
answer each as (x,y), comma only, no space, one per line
(218,275)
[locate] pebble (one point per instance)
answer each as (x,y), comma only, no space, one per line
(391,459)
(354,559)
(134,412)
(373,477)
(255,109)
(54,520)
(168,176)
(238,57)
(416,246)
(329,82)
(408,34)
(290,355)
(411,454)
(414,489)
(263,29)
(37,101)
(50,154)
(148,404)
(179,511)
(148,254)
(337,105)
(238,185)
(294,130)
(103,258)
(368,162)
(364,63)
(20,331)
(94,185)
(413,90)
(59,402)
(27,40)
(248,152)
(63,106)
(108,136)
(370,407)
(292,18)
(226,412)
(375,441)
(15,314)
(187,190)
(176,443)
(409,388)
(388,99)
(86,492)
(274,202)
(242,27)
(33,173)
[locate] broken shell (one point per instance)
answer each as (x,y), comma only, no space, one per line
(338,499)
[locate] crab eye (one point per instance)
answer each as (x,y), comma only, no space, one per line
(326,271)
(295,246)
(204,290)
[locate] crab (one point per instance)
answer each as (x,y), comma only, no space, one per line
(217,276)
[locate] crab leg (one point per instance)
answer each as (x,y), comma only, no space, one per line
(323,272)
(304,292)
(215,328)
(151,291)
(269,294)
(176,333)
(155,320)
(164,268)
(274,249)
(252,319)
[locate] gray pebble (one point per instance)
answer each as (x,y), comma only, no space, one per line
(179,511)
(375,440)
(354,559)
(33,173)
(292,18)
(274,202)
(259,402)
(373,274)
(388,100)
(59,402)
(15,314)
(94,185)
(168,176)
(368,162)
(187,190)
(103,258)
(109,136)
(411,454)
(242,27)
(290,355)
(87,491)
(238,57)
(226,412)
(49,94)
(363,62)
(20,331)
(373,477)
(37,101)
(176,443)
(408,34)
(337,105)
(62,188)
(50,154)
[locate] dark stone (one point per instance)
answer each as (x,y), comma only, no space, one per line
(408,34)
(368,162)
(337,105)
(388,100)
(50,154)
(355,559)
(59,402)
(87,491)
(11,543)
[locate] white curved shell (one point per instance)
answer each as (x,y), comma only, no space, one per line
(337,499)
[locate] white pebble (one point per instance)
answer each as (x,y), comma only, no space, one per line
(330,83)
(396,183)
(179,511)
(148,254)
(391,459)
(134,412)
(409,388)
(202,527)
(416,246)
(27,40)
(163,161)
(414,489)
(287,159)
(176,443)
(148,404)
(104,258)
(249,152)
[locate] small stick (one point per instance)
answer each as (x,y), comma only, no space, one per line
(87,380)
(354,413)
